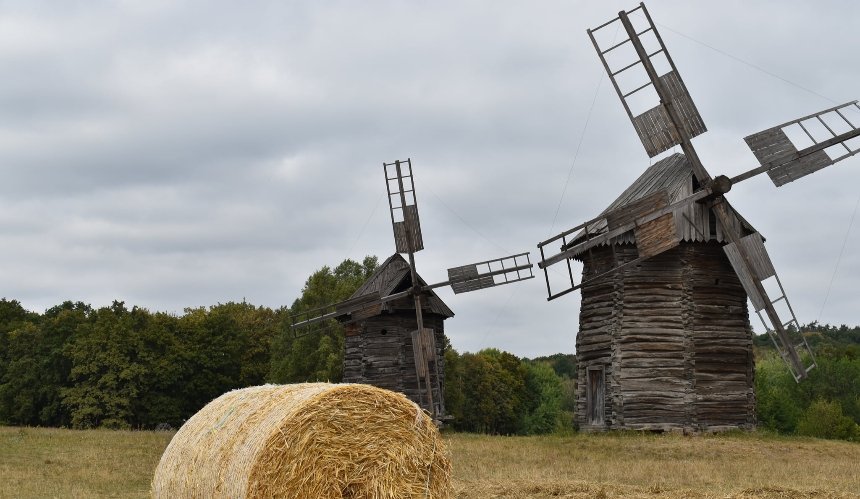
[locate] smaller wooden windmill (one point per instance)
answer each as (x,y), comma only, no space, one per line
(664,339)
(387,341)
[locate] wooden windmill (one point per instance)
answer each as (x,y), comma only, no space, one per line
(388,343)
(664,339)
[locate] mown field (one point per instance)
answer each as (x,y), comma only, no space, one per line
(44,463)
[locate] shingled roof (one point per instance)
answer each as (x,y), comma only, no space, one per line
(394,276)
(695,223)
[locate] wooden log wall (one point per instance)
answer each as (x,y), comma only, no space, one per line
(724,363)
(599,320)
(378,352)
(673,338)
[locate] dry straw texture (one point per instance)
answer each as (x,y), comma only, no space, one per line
(314,440)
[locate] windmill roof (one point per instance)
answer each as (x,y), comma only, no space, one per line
(693,223)
(394,275)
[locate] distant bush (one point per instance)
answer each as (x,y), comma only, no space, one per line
(824,419)
(827,403)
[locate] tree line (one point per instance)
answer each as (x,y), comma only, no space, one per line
(123,366)
(827,403)
(126,367)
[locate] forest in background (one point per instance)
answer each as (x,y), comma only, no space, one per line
(127,367)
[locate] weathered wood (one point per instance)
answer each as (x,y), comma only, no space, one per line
(674,338)
(382,353)
(637,209)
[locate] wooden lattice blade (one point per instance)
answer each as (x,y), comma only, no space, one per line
(654,126)
(661,110)
(409,227)
(803,146)
(752,264)
(490,273)
(402,204)
(362,304)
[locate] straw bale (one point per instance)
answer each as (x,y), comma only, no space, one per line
(314,440)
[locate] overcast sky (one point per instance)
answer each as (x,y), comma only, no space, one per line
(177,154)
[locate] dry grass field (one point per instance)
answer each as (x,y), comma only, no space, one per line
(46,463)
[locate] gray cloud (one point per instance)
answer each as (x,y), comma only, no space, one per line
(178,154)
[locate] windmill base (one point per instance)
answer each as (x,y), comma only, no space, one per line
(379,352)
(665,345)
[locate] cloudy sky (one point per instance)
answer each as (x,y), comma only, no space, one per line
(175,154)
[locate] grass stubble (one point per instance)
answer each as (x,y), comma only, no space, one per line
(644,465)
(43,463)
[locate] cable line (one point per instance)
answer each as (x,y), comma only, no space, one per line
(839,259)
(747,63)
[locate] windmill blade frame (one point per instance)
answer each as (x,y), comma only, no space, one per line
(408,239)
(784,162)
(658,127)
(753,267)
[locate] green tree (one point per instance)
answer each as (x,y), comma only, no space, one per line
(494,393)
(317,355)
(455,381)
(12,317)
(544,412)
(36,368)
(213,349)
(777,399)
(20,384)
(163,357)
(106,373)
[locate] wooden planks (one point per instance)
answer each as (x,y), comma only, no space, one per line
(760,267)
(474,282)
(774,147)
(654,126)
(672,334)
(409,227)
(672,175)
(656,236)
(381,353)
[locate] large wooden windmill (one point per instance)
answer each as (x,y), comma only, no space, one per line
(388,343)
(664,339)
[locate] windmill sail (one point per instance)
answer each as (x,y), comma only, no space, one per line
(826,134)
(753,267)
(490,273)
(402,204)
(656,127)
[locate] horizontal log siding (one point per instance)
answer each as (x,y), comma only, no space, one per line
(653,349)
(599,320)
(724,369)
(673,334)
(387,360)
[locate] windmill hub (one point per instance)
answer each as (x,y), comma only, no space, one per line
(721,185)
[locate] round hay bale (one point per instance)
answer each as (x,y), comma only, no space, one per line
(306,440)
